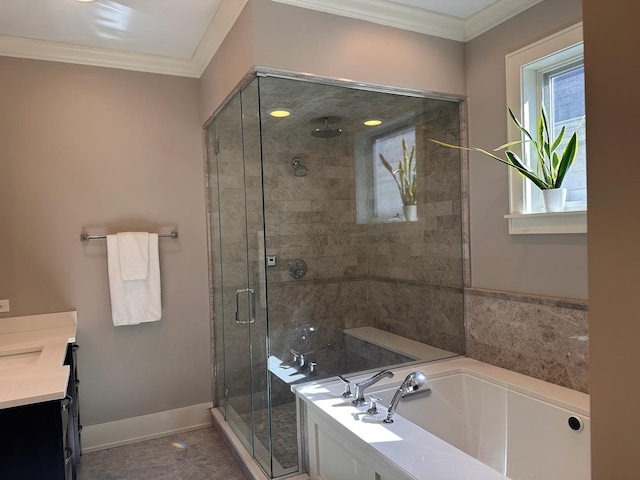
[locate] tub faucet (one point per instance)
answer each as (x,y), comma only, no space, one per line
(358,396)
(412,383)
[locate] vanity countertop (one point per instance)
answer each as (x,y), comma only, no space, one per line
(32,353)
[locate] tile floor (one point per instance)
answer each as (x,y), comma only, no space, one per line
(195,455)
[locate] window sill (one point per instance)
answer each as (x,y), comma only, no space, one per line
(571,221)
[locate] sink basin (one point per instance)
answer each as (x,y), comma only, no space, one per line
(19,356)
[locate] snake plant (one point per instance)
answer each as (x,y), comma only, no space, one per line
(551,165)
(405,175)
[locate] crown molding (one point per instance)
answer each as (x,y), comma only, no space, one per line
(421,21)
(390,14)
(226,15)
(223,20)
(376,11)
(100,57)
(494,15)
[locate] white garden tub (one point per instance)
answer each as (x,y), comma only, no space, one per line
(479,422)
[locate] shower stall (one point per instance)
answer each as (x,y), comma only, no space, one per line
(309,242)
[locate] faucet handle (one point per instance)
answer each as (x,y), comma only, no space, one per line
(347,386)
(295,354)
(373,408)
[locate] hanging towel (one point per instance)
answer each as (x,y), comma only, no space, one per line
(133,253)
(134,301)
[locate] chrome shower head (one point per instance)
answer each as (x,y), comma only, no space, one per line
(299,170)
(413,382)
(326,132)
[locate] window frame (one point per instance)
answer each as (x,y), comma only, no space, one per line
(365,166)
(523,68)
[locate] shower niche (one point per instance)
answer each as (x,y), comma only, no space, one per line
(311,186)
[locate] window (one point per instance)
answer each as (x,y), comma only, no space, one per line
(551,72)
(378,199)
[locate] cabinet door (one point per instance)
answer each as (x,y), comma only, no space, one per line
(32,442)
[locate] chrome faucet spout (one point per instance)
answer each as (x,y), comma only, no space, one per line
(363,385)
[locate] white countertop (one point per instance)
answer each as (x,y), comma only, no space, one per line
(32,352)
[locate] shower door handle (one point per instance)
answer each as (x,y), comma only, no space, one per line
(252,307)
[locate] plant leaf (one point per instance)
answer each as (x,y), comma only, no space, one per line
(386,164)
(568,156)
(521,167)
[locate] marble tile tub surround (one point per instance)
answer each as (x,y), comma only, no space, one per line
(543,337)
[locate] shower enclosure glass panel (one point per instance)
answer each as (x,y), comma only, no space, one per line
(311,189)
(239,288)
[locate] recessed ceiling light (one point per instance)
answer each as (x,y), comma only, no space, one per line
(279,113)
(85,1)
(372,122)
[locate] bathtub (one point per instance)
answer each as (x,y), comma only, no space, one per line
(479,422)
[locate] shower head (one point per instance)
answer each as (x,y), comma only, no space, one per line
(326,132)
(299,170)
(413,382)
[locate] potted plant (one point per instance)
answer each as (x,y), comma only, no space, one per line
(551,165)
(406,180)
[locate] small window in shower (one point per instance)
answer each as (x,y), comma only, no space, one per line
(378,196)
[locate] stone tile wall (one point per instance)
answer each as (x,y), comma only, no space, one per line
(543,337)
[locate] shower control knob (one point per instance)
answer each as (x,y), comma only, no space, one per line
(298,268)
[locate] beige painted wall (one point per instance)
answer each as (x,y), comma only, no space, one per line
(313,42)
(612,68)
(553,265)
(106,150)
(232,61)
(281,36)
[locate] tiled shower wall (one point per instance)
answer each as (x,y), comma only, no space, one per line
(402,277)
(543,337)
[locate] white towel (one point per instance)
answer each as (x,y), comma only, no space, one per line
(133,252)
(134,301)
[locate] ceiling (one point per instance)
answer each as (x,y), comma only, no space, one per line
(162,36)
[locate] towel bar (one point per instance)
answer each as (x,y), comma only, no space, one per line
(85,237)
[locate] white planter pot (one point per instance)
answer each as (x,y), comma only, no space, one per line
(554,199)
(410,212)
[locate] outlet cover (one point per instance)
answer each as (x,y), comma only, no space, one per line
(4,306)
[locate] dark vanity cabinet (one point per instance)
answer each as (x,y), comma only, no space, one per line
(41,441)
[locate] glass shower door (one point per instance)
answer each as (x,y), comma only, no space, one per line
(237,221)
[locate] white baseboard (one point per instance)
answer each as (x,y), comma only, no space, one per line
(145,427)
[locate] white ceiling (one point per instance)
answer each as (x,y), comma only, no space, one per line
(179,37)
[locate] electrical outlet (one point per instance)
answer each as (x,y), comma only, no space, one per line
(4,306)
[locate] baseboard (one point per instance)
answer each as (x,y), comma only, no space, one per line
(145,427)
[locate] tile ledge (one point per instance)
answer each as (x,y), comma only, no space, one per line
(573,303)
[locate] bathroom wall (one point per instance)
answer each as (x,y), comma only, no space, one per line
(526,309)
(104,150)
(281,36)
(551,265)
(612,66)
(516,268)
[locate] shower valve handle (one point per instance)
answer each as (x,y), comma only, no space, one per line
(373,408)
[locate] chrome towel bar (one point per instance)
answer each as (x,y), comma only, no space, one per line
(85,237)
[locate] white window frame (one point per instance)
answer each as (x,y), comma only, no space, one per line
(523,69)
(365,185)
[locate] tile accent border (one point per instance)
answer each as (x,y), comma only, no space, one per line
(543,337)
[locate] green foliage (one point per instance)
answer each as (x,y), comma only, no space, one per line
(551,165)
(405,175)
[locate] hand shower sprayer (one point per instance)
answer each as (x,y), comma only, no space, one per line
(413,383)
